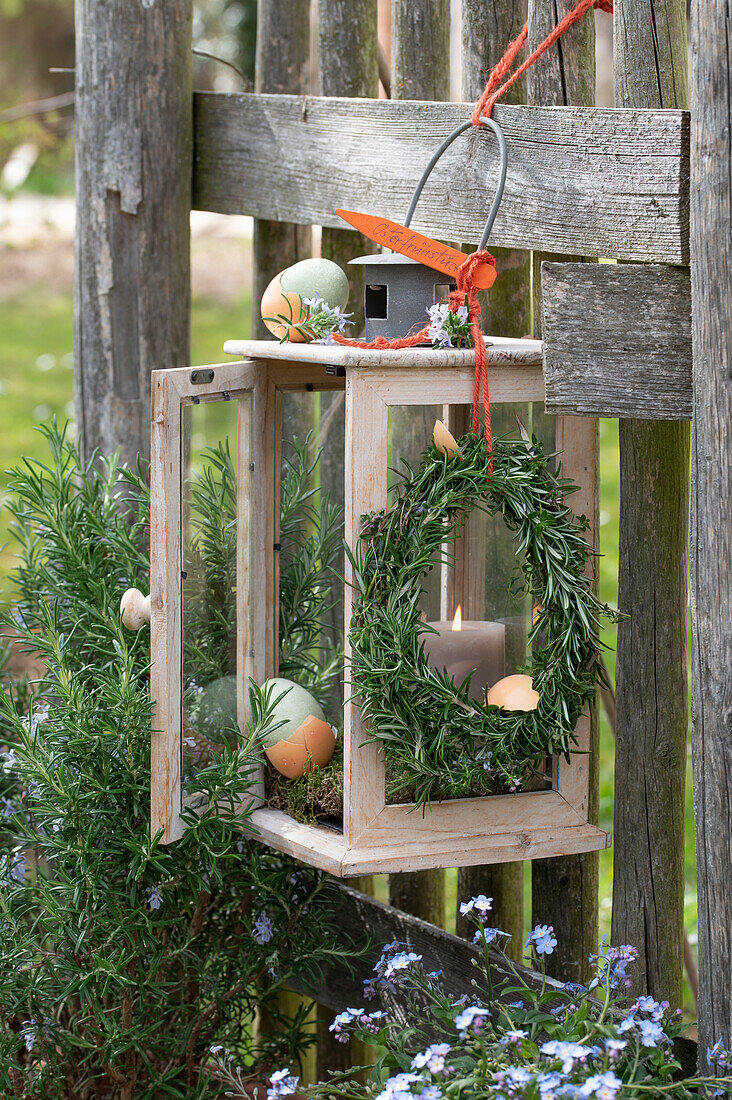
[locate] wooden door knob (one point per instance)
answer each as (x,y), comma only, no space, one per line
(135,609)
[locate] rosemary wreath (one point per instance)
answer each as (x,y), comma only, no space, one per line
(438,742)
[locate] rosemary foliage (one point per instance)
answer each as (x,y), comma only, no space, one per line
(209,634)
(311,538)
(438,742)
(122,960)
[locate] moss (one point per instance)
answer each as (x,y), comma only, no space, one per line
(315,798)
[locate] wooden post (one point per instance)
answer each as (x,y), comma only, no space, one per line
(420,69)
(488,27)
(282,66)
(134,127)
(349,66)
(564,891)
(711,558)
(651,683)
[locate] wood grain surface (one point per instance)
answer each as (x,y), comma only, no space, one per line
(617,340)
(587,181)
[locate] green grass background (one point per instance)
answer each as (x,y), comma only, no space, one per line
(36,381)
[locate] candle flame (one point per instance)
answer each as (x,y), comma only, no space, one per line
(457,622)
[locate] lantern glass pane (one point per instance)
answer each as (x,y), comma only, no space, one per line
(310,596)
(215,439)
(484,580)
(410,433)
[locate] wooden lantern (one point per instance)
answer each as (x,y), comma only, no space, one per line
(374,836)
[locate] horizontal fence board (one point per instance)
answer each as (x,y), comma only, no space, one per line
(359,916)
(617,340)
(581,181)
(356,916)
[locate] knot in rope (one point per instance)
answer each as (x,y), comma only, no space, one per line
(465,288)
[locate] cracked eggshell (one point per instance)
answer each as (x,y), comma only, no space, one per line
(319,740)
(444,440)
(288,758)
(513,693)
(305,740)
(310,747)
(277,302)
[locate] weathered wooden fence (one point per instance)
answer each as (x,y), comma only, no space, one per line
(583,184)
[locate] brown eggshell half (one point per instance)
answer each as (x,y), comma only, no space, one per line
(289,759)
(277,302)
(513,693)
(444,440)
(319,740)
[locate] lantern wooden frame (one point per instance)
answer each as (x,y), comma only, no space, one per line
(376,836)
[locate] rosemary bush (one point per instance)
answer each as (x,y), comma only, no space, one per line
(123,961)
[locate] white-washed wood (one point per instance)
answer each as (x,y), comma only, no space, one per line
(499,350)
(617,340)
(576,440)
(252,502)
(595,182)
(414,849)
(165,602)
(375,836)
(367,427)
(133,163)
(170,389)
(711,542)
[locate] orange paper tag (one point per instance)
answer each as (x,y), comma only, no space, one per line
(418,247)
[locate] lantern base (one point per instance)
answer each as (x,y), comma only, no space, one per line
(420,849)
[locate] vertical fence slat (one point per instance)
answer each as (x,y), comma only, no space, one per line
(711,559)
(420,69)
(282,66)
(651,680)
(348,58)
(134,133)
(349,65)
(488,27)
(564,891)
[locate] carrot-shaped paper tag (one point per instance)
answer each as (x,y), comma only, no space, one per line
(415,245)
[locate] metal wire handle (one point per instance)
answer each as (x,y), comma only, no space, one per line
(503,153)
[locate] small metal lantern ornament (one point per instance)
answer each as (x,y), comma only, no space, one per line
(397,291)
(398,287)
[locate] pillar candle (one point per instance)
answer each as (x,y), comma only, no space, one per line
(475,646)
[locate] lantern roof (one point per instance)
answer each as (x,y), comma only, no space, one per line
(386,258)
(500,350)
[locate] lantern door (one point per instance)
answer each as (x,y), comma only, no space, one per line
(208,572)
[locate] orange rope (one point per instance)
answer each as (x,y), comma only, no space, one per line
(494,89)
(498,84)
